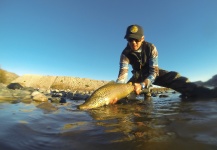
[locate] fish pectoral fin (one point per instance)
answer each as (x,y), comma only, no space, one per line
(113,101)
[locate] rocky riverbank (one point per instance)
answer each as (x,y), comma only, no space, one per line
(53,89)
(44,88)
(57,89)
(16,93)
(50,91)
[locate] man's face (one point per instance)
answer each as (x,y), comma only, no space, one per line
(134,43)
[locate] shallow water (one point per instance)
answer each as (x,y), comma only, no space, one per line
(159,123)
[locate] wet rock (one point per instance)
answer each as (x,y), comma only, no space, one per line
(55,99)
(30,89)
(35,93)
(21,93)
(62,100)
(5,92)
(162,96)
(14,86)
(148,94)
(80,97)
(56,94)
(154,94)
(69,95)
(58,99)
(12,95)
(40,97)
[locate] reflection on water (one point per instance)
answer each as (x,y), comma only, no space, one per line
(157,123)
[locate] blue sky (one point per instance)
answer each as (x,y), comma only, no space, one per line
(84,38)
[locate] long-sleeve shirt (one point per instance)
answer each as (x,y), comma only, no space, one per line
(153,66)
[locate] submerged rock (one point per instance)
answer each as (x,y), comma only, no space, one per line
(46,106)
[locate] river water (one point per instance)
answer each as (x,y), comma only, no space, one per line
(158,123)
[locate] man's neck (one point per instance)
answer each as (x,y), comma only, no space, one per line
(138,50)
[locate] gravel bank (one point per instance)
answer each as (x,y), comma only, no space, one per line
(59,82)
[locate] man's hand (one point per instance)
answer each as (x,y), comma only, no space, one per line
(137,88)
(147,83)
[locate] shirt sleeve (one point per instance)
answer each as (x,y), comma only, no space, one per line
(153,64)
(123,69)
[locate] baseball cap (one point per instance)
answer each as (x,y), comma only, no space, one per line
(134,31)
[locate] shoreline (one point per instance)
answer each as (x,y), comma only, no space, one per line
(59,82)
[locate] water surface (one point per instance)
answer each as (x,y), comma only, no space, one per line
(158,123)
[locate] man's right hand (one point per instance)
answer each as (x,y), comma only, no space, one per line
(137,88)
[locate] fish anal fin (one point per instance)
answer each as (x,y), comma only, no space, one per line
(113,101)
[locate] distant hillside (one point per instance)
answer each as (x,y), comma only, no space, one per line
(210,82)
(53,82)
(59,82)
(7,77)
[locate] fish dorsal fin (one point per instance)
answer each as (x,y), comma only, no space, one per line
(130,83)
(111,82)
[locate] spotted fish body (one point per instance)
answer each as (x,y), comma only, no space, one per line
(108,94)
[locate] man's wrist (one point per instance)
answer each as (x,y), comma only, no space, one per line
(142,85)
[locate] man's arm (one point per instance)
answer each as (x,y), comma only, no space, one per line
(123,71)
(153,67)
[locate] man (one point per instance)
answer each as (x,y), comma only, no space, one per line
(143,57)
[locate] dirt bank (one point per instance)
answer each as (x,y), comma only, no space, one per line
(59,82)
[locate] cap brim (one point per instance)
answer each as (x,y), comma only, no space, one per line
(133,36)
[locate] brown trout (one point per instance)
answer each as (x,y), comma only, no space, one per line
(109,93)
